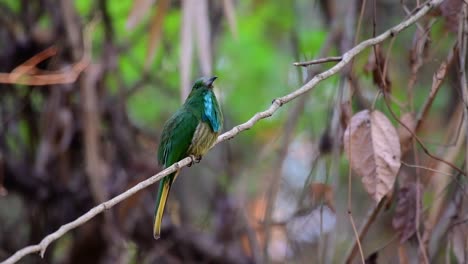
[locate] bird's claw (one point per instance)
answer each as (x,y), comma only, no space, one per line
(195,159)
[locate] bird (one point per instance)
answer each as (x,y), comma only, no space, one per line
(191,131)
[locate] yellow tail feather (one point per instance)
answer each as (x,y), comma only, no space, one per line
(163,194)
(159,213)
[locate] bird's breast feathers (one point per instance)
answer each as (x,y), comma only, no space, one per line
(203,138)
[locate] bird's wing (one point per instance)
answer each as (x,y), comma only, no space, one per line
(177,137)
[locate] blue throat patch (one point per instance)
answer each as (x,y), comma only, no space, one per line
(209,113)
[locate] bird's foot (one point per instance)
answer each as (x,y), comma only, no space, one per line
(195,159)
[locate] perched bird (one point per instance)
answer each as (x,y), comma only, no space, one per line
(192,130)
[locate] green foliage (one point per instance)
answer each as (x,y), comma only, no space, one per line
(254,69)
(14,5)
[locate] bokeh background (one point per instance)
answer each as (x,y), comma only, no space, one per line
(86,86)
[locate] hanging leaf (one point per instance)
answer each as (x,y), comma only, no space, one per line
(376,66)
(404,220)
(156,31)
(321,192)
(186,46)
(202,36)
(405,136)
(139,8)
(450,11)
(346,112)
(372,258)
(459,239)
(373,149)
(230,14)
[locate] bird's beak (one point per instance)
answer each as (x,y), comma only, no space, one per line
(211,80)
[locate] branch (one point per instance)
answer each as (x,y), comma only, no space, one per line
(25,73)
(317,61)
(276,104)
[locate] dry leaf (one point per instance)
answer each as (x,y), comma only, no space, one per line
(186,46)
(404,219)
(373,149)
(372,258)
(140,7)
(346,112)
(405,136)
(376,66)
(459,239)
(450,10)
(202,36)
(156,31)
(278,248)
(195,27)
(322,192)
(230,14)
(325,142)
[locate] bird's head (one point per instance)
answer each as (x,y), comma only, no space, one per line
(201,85)
(204,82)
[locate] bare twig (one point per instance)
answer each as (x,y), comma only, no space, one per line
(277,103)
(28,74)
(31,63)
(371,217)
(437,80)
(24,73)
(317,61)
(462,52)
(291,123)
(338,130)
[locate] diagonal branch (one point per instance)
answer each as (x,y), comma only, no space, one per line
(276,104)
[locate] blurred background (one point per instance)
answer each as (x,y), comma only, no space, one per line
(86,86)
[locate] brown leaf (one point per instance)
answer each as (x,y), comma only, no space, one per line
(449,9)
(322,192)
(372,258)
(140,7)
(325,142)
(376,66)
(373,149)
(405,136)
(404,219)
(346,112)
(459,239)
(156,31)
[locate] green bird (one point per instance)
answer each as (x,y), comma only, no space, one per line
(192,130)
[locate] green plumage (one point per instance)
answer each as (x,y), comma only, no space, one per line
(192,130)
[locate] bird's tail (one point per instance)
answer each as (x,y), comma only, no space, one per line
(163,194)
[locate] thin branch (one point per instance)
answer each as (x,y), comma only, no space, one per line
(31,63)
(28,74)
(462,52)
(291,123)
(317,61)
(20,76)
(437,80)
(276,104)
(428,169)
